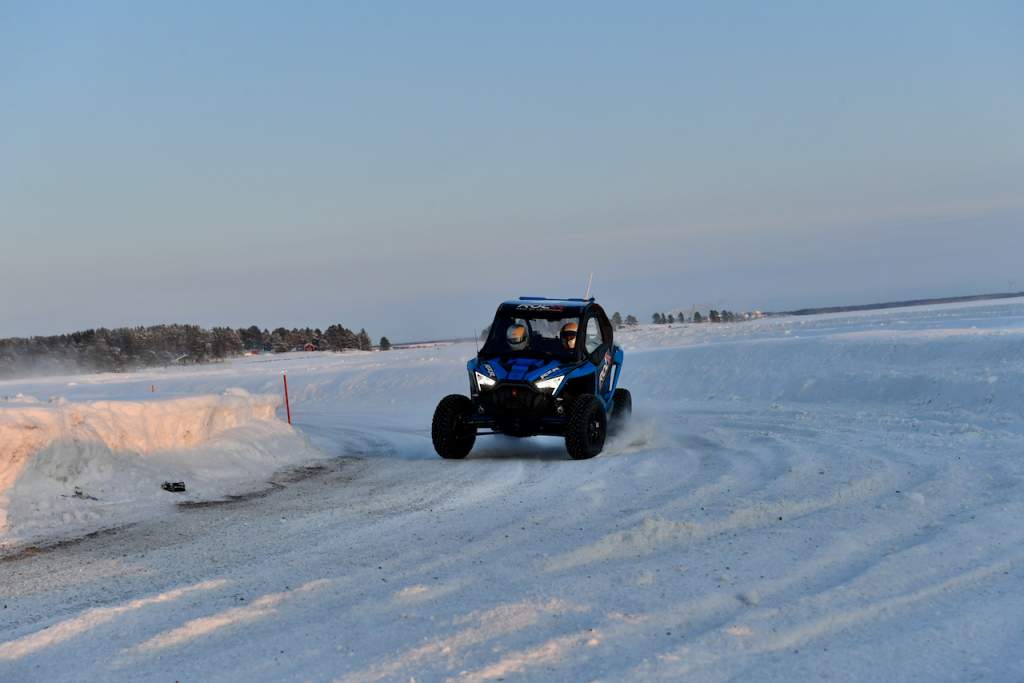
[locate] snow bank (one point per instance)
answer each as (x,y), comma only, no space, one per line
(70,467)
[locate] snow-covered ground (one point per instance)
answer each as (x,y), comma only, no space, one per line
(837,496)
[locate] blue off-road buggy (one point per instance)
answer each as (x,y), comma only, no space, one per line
(549,366)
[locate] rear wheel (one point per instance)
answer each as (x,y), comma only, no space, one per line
(622,409)
(450,431)
(586,428)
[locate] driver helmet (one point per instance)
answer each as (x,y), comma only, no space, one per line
(516,336)
(568,335)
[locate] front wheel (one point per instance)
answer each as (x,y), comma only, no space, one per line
(586,428)
(453,437)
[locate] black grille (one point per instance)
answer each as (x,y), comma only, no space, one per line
(515,398)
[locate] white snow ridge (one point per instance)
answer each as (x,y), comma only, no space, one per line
(70,467)
(834,497)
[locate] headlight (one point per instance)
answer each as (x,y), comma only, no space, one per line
(551,383)
(483,381)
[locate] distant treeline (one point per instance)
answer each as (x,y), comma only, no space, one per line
(713,316)
(903,304)
(128,348)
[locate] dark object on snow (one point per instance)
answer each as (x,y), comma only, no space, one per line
(81,494)
(173,486)
(548,366)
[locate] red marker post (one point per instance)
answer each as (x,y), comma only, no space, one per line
(287,405)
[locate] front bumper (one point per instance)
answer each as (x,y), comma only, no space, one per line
(519,409)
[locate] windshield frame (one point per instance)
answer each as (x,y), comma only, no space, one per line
(496,347)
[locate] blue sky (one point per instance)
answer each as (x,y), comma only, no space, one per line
(404,166)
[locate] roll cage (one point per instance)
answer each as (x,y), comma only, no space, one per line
(595,335)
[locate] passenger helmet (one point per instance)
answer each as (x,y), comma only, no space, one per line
(568,335)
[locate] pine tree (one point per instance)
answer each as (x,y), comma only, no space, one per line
(616,320)
(631,321)
(697,317)
(251,338)
(225,343)
(99,354)
(333,338)
(671,318)
(196,344)
(365,344)
(279,340)
(385,344)
(349,339)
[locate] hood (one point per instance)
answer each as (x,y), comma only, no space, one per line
(517,369)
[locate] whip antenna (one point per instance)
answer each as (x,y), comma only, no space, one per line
(590,280)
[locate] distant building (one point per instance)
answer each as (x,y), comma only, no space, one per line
(310,346)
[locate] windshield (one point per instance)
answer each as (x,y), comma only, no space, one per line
(516,335)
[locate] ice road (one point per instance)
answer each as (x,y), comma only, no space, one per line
(833,497)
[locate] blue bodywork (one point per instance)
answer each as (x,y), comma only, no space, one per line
(534,369)
(503,385)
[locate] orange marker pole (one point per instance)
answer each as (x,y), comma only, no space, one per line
(287,405)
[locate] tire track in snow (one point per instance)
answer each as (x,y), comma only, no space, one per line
(484,626)
(746,639)
(655,532)
(842,581)
(88,620)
